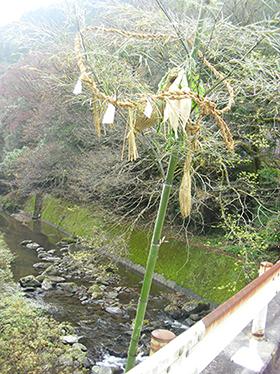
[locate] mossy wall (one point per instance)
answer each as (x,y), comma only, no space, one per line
(209,274)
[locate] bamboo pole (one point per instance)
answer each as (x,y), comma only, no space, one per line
(151,262)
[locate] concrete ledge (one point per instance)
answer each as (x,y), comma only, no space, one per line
(246,355)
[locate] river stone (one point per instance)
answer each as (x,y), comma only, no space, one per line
(33,246)
(193,307)
(47,285)
(42,254)
(115,310)
(70,287)
(50,258)
(70,339)
(80,347)
(29,281)
(101,370)
(41,265)
(112,295)
(51,281)
(25,242)
(175,312)
(51,270)
(195,317)
(87,363)
(40,249)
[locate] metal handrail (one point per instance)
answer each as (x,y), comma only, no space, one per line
(194,349)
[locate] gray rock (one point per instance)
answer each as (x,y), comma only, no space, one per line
(69,287)
(195,317)
(50,258)
(195,307)
(64,249)
(101,370)
(25,242)
(51,281)
(42,254)
(51,251)
(40,249)
(41,265)
(189,322)
(51,270)
(47,284)
(33,246)
(80,346)
(29,281)
(115,310)
(70,339)
(87,363)
(112,295)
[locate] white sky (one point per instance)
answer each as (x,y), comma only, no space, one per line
(12,10)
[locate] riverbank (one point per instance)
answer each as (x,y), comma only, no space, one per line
(92,293)
(30,341)
(208,273)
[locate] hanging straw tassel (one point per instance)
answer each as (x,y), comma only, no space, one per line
(178,111)
(132,148)
(185,192)
(96,111)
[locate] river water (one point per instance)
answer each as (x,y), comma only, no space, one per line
(104,334)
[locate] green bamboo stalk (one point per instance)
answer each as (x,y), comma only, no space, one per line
(151,262)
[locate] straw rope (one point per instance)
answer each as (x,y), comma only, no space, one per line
(142,36)
(137,120)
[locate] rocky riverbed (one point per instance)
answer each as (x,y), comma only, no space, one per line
(96,289)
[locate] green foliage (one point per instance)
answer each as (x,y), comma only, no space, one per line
(269,177)
(5,265)
(10,160)
(29,341)
(9,203)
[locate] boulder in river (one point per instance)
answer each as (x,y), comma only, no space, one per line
(25,242)
(50,258)
(51,270)
(68,287)
(101,370)
(115,310)
(41,265)
(70,339)
(40,249)
(33,245)
(192,307)
(29,281)
(51,281)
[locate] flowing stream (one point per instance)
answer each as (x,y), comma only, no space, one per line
(104,334)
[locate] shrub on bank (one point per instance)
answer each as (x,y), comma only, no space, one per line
(29,341)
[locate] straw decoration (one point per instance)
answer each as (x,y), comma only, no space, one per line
(185,195)
(132,148)
(172,104)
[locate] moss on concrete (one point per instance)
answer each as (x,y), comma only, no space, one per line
(209,274)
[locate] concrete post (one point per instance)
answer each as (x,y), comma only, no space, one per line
(258,325)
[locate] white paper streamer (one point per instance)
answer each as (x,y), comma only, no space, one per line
(109,115)
(78,87)
(178,111)
(149,108)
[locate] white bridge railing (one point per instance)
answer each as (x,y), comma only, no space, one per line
(194,349)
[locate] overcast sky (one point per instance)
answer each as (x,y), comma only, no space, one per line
(12,10)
